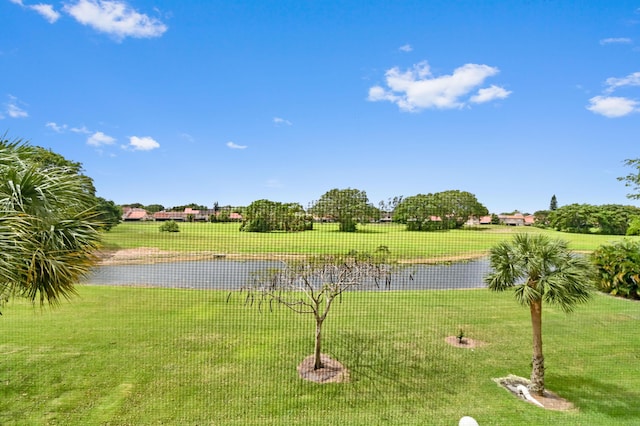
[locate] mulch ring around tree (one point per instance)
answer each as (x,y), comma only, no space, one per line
(331,372)
(465,342)
(549,400)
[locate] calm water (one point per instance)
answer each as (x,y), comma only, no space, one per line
(231,275)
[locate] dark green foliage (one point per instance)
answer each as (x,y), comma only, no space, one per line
(608,219)
(109,213)
(632,179)
(634,227)
(553,205)
(49,223)
(541,218)
(267,216)
(193,206)
(618,268)
(170,226)
(439,211)
(348,207)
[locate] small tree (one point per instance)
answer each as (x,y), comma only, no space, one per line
(632,180)
(553,205)
(311,286)
(170,226)
(539,269)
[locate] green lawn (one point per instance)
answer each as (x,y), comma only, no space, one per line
(325,238)
(140,356)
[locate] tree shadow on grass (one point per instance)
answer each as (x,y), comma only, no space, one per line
(382,364)
(609,399)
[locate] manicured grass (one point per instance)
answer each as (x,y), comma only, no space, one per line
(165,356)
(325,238)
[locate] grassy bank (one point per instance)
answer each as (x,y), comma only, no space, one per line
(164,356)
(226,239)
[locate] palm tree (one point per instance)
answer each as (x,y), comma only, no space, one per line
(539,269)
(49,227)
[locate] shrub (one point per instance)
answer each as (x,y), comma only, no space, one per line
(618,269)
(170,226)
(634,226)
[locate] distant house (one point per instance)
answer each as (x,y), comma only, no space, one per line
(517,219)
(135,214)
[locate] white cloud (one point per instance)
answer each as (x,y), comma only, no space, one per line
(82,130)
(233,145)
(631,80)
(47,12)
(281,121)
(615,40)
(613,106)
(417,89)
(99,139)
(273,183)
(489,94)
(55,127)
(405,48)
(116,18)
(144,143)
(14,110)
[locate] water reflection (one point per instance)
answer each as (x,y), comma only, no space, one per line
(232,275)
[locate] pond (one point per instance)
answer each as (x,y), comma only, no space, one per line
(232,275)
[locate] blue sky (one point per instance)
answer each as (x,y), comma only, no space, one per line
(173,102)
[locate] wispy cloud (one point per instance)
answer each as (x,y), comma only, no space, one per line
(616,106)
(13,108)
(81,130)
(273,183)
(615,40)
(144,143)
(115,18)
(233,145)
(416,89)
(489,94)
(281,122)
(100,139)
(45,10)
(56,127)
(405,48)
(614,83)
(613,106)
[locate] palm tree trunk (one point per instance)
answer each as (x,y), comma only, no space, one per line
(318,361)
(537,371)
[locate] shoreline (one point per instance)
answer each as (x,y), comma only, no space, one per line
(150,255)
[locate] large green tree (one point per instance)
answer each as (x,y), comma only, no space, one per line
(441,210)
(607,219)
(266,216)
(539,269)
(632,180)
(49,225)
(348,207)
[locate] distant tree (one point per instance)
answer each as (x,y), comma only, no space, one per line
(311,286)
(442,210)
(153,208)
(49,226)
(541,218)
(634,226)
(193,206)
(495,219)
(348,207)
(135,205)
(608,219)
(539,269)
(553,205)
(108,213)
(267,216)
(388,207)
(632,180)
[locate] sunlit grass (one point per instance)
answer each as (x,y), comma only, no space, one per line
(165,356)
(225,238)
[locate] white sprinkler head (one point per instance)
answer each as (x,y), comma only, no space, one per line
(468,421)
